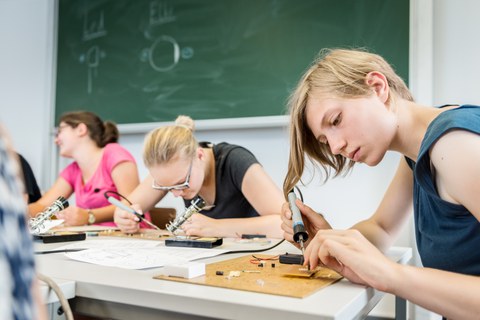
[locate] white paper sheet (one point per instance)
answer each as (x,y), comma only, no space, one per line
(111,244)
(141,258)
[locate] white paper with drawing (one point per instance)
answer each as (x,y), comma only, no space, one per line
(110,244)
(142,258)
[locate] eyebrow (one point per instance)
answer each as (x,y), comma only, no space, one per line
(185,177)
(322,124)
(178,181)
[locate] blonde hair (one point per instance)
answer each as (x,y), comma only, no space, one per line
(163,144)
(340,73)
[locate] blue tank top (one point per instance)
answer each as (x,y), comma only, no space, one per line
(447,234)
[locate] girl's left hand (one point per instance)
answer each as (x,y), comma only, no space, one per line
(202,226)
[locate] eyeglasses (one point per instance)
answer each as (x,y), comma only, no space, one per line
(60,129)
(181,186)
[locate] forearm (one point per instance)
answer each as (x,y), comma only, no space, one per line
(268,225)
(393,211)
(374,233)
(451,295)
(60,188)
(103,214)
(34,208)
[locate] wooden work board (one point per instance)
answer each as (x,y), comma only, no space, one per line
(145,234)
(282,279)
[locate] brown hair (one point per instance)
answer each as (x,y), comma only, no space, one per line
(99,131)
(340,73)
(163,144)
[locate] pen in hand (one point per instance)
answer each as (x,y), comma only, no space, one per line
(123,206)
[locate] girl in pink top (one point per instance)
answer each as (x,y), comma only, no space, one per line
(100,164)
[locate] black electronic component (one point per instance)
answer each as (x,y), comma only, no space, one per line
(253,236)
(194,242)
(60,237)
(289,258)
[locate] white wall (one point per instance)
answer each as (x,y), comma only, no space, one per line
(26,76)
(456,47)
(27,69)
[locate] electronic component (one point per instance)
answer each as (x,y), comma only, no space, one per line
(289,258)
(253,236)
(194,242)
(59,237)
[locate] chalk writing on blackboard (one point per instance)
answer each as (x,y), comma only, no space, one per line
(93,29)
(160,13)
(165,52)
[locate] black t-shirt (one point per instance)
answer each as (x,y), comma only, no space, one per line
(231,164)
(31,185)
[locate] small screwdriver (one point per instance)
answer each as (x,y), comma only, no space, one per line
(299,233)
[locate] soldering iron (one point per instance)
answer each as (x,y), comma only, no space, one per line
(299,234)
(123,206)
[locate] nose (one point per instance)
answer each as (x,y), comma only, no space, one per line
(337,144)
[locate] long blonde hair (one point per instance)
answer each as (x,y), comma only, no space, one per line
(163,144)
(340,73)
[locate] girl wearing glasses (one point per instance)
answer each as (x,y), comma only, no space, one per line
(228,177)
(100,164)
(350,107)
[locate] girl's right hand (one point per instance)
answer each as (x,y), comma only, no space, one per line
(126,221)
(312,220)
(349,253)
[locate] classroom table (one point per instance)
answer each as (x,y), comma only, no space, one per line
(117,293)
(50,298)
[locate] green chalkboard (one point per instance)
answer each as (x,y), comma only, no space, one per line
(135,61)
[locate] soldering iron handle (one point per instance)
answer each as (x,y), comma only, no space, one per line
(296,215)
(299,233)
(123,206)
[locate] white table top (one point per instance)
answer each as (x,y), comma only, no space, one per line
(342,300)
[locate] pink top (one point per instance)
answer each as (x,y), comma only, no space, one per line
(91,194)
